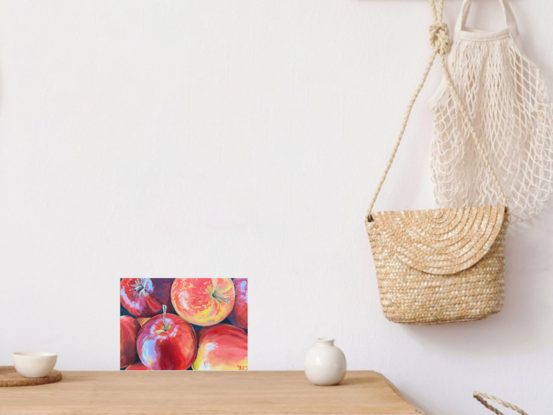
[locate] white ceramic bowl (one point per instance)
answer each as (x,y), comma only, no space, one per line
(34,364)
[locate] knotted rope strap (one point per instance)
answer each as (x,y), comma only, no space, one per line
(481,397)
(441,45)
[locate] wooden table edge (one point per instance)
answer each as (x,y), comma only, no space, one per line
(414,410)
(398,393)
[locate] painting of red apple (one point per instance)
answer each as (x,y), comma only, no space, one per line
(145,297)
(203,301)
(184,323)
(166,342)
(239,314)
(222,347)
(128,334)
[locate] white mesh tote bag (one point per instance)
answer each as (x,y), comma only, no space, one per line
(508,104)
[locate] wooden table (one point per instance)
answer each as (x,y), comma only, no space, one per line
(213,393)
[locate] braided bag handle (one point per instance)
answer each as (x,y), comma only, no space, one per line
(481,397)
(441,45)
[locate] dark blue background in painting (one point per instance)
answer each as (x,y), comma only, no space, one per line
(124,312)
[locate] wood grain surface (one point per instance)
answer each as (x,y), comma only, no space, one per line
(213,393)
(10,377)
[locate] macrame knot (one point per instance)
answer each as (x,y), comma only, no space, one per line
(439,38)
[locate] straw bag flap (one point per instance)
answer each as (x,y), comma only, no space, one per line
(439,241)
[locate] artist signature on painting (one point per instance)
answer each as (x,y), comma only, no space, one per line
(241,367)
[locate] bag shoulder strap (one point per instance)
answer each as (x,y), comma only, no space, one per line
(481,397)
(441,45)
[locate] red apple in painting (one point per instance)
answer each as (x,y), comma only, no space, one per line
(128,333)
(239,314)
(203,301)
(166,342)
(137,366)
(145,297)
(222,347)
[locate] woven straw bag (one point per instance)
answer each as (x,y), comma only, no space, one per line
(482,397)
(442,265)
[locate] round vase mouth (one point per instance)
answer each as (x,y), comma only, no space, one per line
(325,340)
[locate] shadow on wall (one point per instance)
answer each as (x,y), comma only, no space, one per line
(525,277)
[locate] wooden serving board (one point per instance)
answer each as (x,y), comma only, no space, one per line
(10,377)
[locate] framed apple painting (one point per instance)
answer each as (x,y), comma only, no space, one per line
(184,324)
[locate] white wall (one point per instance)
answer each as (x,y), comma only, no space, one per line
(243,139)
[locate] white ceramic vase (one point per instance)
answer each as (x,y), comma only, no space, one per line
(325,364)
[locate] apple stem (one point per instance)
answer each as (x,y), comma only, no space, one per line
(164,323)
(216,296)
